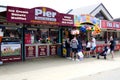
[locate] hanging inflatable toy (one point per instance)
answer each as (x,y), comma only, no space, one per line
(83,29)
(88,28)
(77,31)
(73,32)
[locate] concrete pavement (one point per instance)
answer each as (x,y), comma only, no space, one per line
(56,68)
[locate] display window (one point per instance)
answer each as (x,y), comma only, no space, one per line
(11,34)
(42,35)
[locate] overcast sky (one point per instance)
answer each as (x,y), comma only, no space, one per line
(62,5)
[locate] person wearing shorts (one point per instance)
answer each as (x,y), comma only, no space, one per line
(93,44)
(112,46)
(74,46)
(88,45)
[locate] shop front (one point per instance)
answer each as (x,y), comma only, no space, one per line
(108,29)
(40,31)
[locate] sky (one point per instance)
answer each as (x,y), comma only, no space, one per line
(63,5)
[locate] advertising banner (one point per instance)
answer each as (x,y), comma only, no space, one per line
(42,50)
(30,51)
(10,51)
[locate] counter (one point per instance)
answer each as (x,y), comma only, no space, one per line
(39,50)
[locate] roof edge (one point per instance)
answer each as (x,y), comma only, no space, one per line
(104,8)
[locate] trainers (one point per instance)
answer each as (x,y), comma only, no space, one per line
(73,59)
(94,56)
(69,58)
(77,60)
(104,57)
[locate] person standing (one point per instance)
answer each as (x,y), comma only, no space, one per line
(79,44)
(88,46)
(93,45)
(74,46)
(112,46)
(67,43)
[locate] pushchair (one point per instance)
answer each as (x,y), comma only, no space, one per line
(104,53)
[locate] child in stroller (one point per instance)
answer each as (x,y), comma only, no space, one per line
(104,52)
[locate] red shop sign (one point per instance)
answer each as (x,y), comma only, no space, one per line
(110,24)
(30,51)
(42,50)
(38,15)
(53,50)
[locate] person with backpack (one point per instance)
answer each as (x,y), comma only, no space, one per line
(74,46)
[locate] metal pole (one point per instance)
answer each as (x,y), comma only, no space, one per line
(23,42)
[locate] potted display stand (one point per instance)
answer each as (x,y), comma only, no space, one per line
(1,35)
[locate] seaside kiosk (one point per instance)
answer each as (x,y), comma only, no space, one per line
(36,32)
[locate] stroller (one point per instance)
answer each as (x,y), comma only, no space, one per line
(104,53)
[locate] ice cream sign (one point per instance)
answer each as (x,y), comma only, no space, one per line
(44,14)
(15,14)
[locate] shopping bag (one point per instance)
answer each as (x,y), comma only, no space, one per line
(80,54)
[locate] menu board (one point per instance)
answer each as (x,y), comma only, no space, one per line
(42,50)
(30,51)
(53,49)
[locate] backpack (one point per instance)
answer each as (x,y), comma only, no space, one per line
(74,43)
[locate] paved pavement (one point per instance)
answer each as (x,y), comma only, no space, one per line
(107,75)
(57,68)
